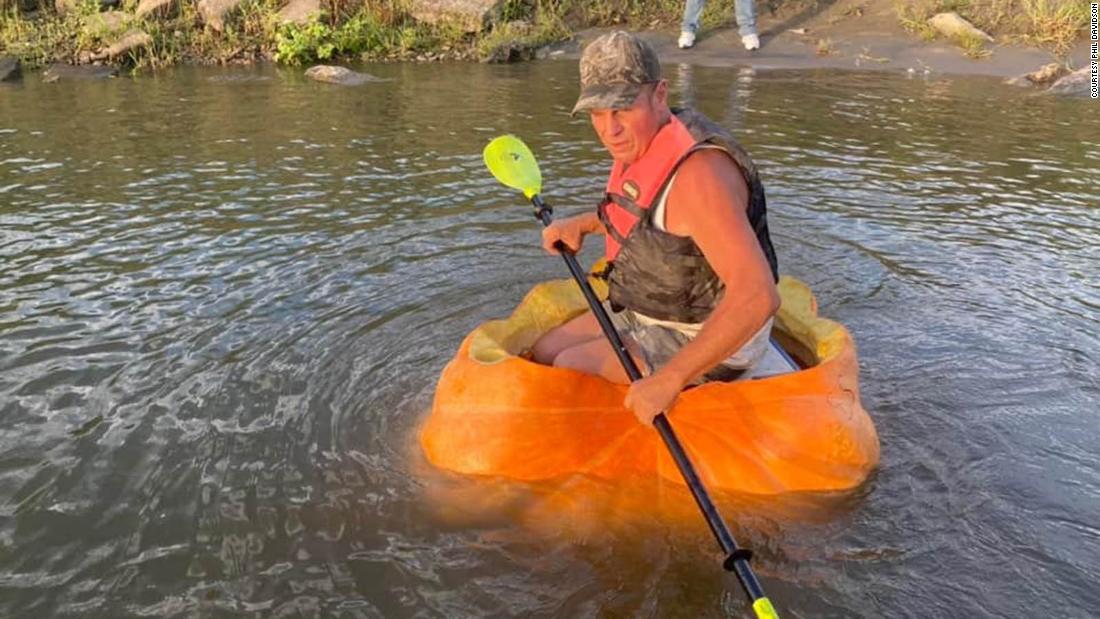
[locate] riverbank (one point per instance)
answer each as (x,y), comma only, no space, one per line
(1014,36)
(854,34)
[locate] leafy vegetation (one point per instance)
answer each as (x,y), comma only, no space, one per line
(384,30)
(1054,24)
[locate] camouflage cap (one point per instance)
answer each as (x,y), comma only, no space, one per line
(614,68)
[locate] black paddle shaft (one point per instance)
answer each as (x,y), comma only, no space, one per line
(736,558)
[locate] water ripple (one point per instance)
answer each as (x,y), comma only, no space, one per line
(224,305)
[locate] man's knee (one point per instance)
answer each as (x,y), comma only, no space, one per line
(578,358)
(547,347)
(595,357)
(573,333)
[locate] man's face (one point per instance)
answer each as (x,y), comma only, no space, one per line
(627,132)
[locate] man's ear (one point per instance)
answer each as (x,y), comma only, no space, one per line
(660,93)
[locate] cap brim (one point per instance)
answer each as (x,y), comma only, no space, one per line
(607,96)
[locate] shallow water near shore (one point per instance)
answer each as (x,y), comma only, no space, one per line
(225,297)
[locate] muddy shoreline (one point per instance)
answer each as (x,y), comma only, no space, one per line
(846,34)
(835,38)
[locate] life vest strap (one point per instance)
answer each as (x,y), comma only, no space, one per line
(605,219)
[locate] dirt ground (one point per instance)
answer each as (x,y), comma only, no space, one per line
(858,34)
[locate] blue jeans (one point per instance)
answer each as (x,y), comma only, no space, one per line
(743,10)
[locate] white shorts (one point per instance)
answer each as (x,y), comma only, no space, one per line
(660,340)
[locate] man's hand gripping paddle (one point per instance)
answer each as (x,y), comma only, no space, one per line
(513,164)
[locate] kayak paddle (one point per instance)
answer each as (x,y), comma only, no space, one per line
(513,164)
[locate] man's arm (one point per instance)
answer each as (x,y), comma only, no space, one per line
(708,202)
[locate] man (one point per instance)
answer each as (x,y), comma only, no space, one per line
(693,271)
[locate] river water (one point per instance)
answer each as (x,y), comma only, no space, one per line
(225,296)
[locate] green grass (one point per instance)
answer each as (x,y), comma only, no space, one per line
(47,37)
(546,26)
(1055,25)
(973,46)
(346,29)
(383,29)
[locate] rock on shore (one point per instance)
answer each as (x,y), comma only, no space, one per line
(106,23)
(132,40)
(214,11)
(339,75)
(155,7)
(1042,76)
(299,11)
(470,15)
(10,69)
(953,26)
(1076,84)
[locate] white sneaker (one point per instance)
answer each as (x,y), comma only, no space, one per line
(687,39)
(750,41)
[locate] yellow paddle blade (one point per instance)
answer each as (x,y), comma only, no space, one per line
(764,609)
(512,163)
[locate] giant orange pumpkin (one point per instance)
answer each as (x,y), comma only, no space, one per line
(497,413)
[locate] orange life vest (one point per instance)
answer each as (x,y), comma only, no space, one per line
(654,272)
(644,179)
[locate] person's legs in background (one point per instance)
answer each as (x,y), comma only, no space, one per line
(744,11)
(746,23)
(689,26)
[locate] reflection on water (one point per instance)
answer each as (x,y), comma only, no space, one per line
(226,295)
